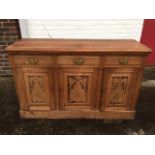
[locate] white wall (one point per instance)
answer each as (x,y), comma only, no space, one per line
(106,29)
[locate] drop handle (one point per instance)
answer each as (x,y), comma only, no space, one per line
(78,61)
(33,61)
(123,61)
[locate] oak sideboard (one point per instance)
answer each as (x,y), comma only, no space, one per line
(77,78)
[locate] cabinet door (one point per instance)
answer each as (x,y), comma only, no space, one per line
(77,88)
(37,87)
(118,89)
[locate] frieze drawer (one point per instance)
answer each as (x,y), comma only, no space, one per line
(78,60)
(33,60)
(123,60)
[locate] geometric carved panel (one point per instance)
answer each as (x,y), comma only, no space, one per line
(37,89)
(118,90)
(77,89)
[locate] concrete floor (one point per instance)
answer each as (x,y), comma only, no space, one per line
(144,122)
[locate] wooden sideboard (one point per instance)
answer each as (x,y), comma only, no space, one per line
(77,78)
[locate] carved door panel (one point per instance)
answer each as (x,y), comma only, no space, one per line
(117,89)
(77,88)
(37,86)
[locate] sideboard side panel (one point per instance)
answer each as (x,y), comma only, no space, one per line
(19,85)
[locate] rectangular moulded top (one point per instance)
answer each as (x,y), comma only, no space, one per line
(77,46)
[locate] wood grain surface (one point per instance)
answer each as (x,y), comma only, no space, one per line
(76,45)
(66,78)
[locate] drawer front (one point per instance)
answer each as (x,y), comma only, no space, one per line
(33,60)
(123,60)
(78,60)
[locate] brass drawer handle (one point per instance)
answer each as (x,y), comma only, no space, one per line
(123,61)
(33,61)
(78,61)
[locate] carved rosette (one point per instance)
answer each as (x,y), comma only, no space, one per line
(118,90)
(77,89)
